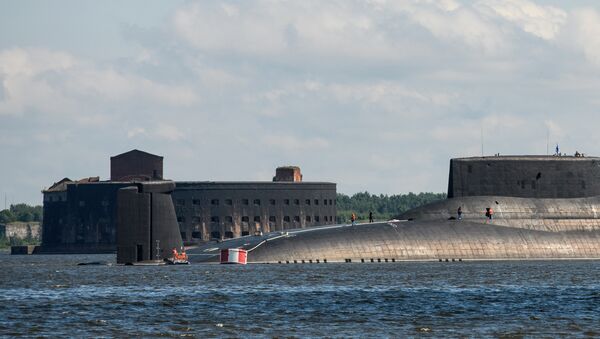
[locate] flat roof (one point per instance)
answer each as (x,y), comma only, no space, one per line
(529,158)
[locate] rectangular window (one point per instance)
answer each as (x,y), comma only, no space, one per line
(330,201)
(245,201)
(286,201)
(296,201)
(325,202)
(183,236)
(180,219)
(228,218)
(326,219)
(308,218)
(245,218)
(470,168)
(272,218)
(196,220)
(297,218)
(214,202)
(316,201)
(272,201)
(307,201)
(317,218)
(257,219)
(196,202)
(214,219)
(196,235)
(286,218)
(228,202)
(256,202)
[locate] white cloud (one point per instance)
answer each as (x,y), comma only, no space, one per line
(58,83)
(169,132)
(542,21)
(584,33)
(135,132)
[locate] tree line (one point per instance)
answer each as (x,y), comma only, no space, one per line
(21,212)
(383,207)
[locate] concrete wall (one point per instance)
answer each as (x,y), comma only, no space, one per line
(228,209)
(146,220)
(133,226)
(84,222)
(525,176)
(21,230)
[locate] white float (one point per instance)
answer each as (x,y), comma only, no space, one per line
(234,256)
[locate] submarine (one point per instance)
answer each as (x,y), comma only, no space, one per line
(545,207)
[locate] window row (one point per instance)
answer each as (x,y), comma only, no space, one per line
(257,218)
(258,202)
(213,235)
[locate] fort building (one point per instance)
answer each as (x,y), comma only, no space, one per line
(81,216)
(221,210)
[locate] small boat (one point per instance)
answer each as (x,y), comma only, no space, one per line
(178,258)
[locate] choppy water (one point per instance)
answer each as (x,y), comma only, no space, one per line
(51,296)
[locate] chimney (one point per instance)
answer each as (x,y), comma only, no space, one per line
(288,174)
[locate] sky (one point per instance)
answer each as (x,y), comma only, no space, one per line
(373,95)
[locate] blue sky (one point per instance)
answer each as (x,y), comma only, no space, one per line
(374,95)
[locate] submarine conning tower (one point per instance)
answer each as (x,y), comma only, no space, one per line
(525,176)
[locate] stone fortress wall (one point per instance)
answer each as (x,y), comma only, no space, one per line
(223,210)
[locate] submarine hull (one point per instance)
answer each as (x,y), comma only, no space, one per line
(413,240)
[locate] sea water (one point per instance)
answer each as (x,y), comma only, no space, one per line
(52,296)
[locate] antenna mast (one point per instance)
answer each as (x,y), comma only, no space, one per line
(547,140)
(482,141)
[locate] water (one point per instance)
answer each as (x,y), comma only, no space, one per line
(51,296)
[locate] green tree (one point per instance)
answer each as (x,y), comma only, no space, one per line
(382,206)
(6,216)
(26,213)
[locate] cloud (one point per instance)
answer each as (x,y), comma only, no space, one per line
(584,33)
(544,22)
(169,132)
(58,83)
(135,132)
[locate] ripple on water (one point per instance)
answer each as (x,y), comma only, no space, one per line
(51,296)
